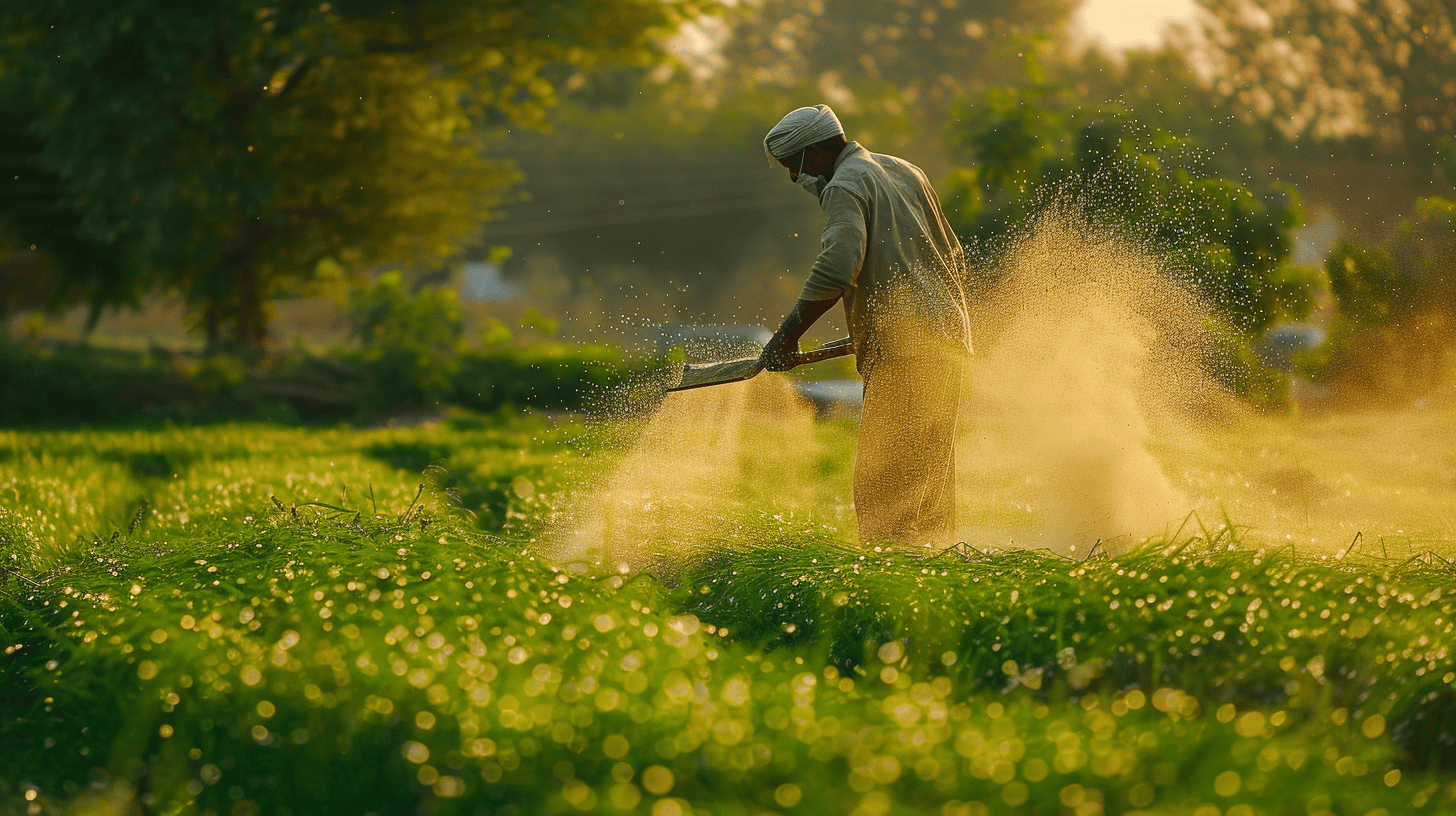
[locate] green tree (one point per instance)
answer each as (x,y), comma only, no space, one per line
(1161,88)
(1336,69)
(227,150)
(880,63)
(45,257)
(1036,146)
(1395,327)
(410,344)
(1394,333)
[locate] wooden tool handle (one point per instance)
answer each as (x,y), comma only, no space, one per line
(839,348)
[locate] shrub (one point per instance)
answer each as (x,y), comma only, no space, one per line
(410,342)
(82,384)
(1396,324)
(1233,364)
(412,353)
(1222,239)
(1039,148)
(552,376)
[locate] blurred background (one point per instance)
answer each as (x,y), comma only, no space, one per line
(256,193)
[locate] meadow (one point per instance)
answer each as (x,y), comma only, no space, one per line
(250,618)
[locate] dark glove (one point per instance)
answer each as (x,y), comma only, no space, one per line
(781,354)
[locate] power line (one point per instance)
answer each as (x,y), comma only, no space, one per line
(507,229)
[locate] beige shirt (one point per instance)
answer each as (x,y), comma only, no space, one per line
(885,233)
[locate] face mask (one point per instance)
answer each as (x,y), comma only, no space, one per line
(811,184)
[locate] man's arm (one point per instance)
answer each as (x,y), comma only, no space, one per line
(842,250)
(782,352)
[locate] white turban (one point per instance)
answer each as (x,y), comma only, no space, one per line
(801,128)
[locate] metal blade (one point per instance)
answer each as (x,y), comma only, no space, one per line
(701,374)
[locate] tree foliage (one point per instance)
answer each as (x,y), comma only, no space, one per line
(1394,332)
(1036,146)
(897,57)
(1380,69)
(1411,280)
(43,250)
(412,341)
(1162,88)
(225,149)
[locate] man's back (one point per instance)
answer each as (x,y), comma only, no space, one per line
(888,249)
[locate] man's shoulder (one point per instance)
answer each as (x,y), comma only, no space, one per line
(885,159)
(863,165)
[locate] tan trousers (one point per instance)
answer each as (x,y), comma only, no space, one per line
(904,471)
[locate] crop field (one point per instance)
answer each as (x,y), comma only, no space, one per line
(250,619)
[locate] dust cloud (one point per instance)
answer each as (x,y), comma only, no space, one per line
(1090,417)
(701,466)
(1087,420)
(1087,353)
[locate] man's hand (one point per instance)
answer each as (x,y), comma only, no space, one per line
(781,353)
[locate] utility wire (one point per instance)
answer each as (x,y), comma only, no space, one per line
(510,229)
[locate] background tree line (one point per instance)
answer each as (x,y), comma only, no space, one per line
(241,151)
(234,151)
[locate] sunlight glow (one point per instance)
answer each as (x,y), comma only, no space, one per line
(1124,24)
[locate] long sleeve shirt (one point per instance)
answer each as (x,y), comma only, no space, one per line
(888,251)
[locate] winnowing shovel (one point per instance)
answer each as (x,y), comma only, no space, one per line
(697,375)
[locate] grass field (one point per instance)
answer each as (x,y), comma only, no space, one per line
(255,619)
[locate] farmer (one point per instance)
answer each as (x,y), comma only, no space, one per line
(889,254)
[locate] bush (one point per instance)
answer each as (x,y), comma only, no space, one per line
(1233,364)
(1217,236)
(81,384)
(552,376)
(1396,324)
(1038,149)
(412,353)
(88,386)
(411,343)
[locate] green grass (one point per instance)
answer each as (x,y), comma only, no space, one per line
(252,619)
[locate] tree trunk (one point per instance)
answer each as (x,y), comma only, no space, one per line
(251,323)
(212,325)
(239,268)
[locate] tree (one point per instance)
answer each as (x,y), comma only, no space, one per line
(897,59)
(1036,147)
(1395,326)
(1382,70)
(1161,88)
(1038,151)
(36,204)
(231,150)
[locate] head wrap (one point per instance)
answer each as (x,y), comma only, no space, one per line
(801,128)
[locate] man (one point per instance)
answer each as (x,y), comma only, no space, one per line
(889,254)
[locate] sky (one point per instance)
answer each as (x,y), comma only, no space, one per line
(1117,23)
(1131,23)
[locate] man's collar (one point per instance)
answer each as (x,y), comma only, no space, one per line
(844,153)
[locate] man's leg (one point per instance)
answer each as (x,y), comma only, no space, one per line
(904,478)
